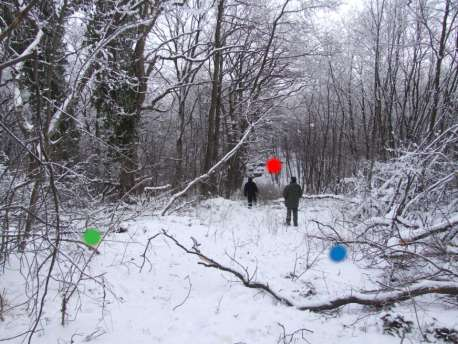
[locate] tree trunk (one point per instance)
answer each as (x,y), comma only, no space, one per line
(215,103)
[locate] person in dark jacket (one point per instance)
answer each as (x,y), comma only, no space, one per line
(292,194)
(250,190)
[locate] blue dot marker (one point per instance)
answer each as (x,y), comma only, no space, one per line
(338,253)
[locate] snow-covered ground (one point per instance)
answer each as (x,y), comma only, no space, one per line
(175,300)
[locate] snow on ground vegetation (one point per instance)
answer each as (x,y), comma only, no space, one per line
(154,292)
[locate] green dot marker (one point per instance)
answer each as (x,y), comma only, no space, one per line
(92,236)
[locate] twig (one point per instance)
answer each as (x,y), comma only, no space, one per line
(187,296)
(290,336)
(330,227)
(143,255)
(15,336)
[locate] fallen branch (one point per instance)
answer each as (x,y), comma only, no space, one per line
(210,263)
(376,298)
(382,298)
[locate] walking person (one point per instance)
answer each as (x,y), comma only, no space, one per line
(292,194)
(250,190)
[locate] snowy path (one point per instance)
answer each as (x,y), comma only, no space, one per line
(148,307)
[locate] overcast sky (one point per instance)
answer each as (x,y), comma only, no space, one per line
(342,12)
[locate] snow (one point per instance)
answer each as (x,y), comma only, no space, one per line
(31,46)
(28,126)
(17,97)
(18,101)
(412,235)
(153,306)
(155,188)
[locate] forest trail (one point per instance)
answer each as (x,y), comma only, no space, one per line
(168,297)
(175,300)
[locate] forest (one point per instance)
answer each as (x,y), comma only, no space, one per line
(144,118)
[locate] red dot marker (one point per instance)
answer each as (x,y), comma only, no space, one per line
(273,166)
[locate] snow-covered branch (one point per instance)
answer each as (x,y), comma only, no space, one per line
(381,298)
(156,188)
(87,70)
(329,196)
(438,228)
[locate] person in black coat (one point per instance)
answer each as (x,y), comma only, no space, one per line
(250,190)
